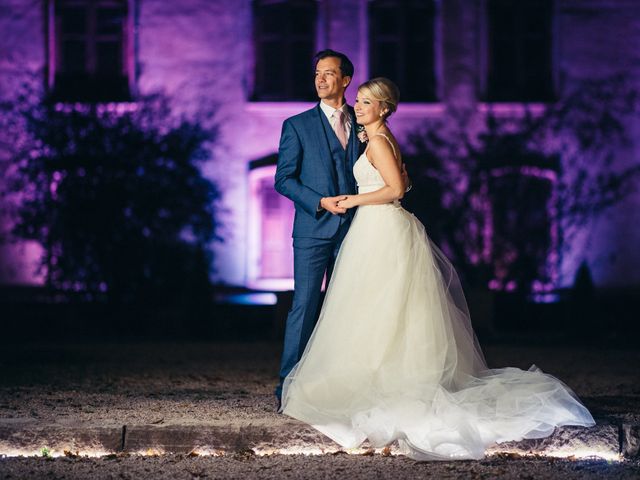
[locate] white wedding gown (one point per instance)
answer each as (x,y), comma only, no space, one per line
(394,358)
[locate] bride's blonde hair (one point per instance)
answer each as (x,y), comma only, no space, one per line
(385,91)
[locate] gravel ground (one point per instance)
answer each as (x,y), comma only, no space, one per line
(311,467)
(133,383)
(112,385)
(192,384)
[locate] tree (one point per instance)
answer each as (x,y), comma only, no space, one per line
(505,197)
(115,196)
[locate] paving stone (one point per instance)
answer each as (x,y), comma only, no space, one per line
(32,438)
(630,441)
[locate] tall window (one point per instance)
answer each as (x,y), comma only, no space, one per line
(401,46)
(522,224)
(519,59)
(284,36)
(89,52)
(270,256)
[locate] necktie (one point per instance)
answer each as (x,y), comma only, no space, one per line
(339,127)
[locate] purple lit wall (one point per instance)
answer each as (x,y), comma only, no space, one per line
(201,52)
(21,56)
(596,42)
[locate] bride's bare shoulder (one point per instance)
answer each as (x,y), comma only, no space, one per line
(378,143)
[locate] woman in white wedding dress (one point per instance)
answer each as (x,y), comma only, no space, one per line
(393,356)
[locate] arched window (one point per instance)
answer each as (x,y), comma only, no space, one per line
(270,252)
(523,240)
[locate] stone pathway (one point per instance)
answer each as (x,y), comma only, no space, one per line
(215,402)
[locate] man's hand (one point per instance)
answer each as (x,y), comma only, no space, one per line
(331,204)
(405,178)
(348,202)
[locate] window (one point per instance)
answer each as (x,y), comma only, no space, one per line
(522,224)
(89,60)
(519,53)
(284,37)
(401,40)
(270,256)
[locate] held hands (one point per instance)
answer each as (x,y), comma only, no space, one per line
(342,203)
(349,201)
(331,204)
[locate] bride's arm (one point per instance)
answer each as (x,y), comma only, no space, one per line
(382,158)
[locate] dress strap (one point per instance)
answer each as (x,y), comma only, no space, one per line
(390,143)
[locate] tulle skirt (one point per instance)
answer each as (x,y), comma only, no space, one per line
(394,358)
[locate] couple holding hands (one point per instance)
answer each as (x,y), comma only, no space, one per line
(392,356)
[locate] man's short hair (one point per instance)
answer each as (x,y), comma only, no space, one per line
(346,67)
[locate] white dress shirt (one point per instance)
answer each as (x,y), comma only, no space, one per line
(328,111)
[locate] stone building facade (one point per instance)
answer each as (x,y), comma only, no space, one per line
(249,59)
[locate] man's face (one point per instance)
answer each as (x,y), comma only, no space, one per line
(330,84)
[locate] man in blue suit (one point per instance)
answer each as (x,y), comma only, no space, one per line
(315,170)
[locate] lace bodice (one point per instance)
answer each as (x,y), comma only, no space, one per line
(367,176)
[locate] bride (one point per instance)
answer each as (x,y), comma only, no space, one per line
(393,356)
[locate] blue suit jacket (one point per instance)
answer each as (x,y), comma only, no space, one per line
(306,170)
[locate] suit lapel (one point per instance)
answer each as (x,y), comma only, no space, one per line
(353,146)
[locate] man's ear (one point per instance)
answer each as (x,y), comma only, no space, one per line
(346,81)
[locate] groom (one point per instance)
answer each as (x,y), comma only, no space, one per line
(315,169)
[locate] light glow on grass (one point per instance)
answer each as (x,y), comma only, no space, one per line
(307,450)
(568,454)
(584,454)
(53,452)
(317,450)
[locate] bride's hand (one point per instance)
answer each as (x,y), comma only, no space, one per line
(348,202)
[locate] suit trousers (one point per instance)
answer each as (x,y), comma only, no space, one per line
(312,258)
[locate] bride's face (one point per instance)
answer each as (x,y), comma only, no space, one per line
(367,108)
